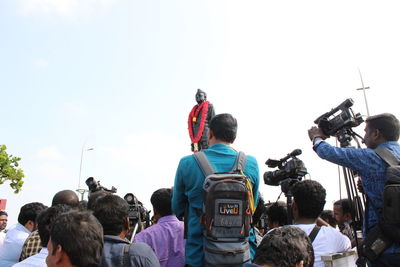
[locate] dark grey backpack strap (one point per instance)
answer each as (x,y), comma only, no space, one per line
(387,156)
(126,261)
(204,163)
(240,162)
(314,233)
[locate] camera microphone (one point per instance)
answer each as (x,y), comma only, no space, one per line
(296,152)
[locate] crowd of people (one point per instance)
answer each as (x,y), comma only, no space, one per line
(99,232)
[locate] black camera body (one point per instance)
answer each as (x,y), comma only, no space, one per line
(95,186)
(137,213)
(287,169)
(341,117)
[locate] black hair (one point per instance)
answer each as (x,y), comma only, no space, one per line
(344,204)
(277,212)
(82,205)
(161,201)
(387,124)
(224,127)
(67,197)
(327,216)
(310,197)
(3,212)
(112,212)
(93,198)
(80,236)
(29,212)
(260,210)
(284,247)
(46,218)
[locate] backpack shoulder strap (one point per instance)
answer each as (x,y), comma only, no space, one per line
(387,156)
(126,260)
(204,163)
(314,233)
(240,162)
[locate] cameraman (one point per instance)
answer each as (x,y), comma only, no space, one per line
(381,131)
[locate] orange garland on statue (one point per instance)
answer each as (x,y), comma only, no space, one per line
(193,119)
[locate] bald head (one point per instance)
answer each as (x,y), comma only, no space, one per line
(66,197)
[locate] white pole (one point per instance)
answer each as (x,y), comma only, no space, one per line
(363,89)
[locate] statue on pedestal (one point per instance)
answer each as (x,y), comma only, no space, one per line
(198,121)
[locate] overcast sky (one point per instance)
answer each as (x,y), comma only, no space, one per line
(120,77)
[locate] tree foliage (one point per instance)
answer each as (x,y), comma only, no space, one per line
(9,170)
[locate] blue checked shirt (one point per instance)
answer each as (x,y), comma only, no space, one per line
(372,170)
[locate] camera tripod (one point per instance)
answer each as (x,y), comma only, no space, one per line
(286,186)
(357,201)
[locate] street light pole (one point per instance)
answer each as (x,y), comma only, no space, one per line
(80,190)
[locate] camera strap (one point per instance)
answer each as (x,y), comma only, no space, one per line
(125,260)
(314,233)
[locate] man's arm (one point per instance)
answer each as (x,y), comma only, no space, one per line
(353,158)
(179,200)
(356,159)
(253,173)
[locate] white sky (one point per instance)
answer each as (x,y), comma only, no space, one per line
(122,75)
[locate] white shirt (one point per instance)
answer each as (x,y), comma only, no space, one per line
(2,236)
(12,247)
(328,240)
(37,260)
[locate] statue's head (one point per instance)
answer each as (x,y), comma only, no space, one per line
(201,96)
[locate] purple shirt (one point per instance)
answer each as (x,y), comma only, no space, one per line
(166,239)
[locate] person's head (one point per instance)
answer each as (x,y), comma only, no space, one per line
(222,128)
(76,239)
(28,213)
(342,211)
(3,220)
(93,198)
(308,199)
(46,218)
(66,197)
(259,212)
(112,213)
(286,246)
(82,206)
(327,216)
(201,96)
(380,129)
(277,215)
(161,201)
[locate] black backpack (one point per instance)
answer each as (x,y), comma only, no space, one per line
(226,216)
(390,214)
(387,231)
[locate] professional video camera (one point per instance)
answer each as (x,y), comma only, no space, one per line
(289,172)
(95,186)
(139,216)
(292,169)
(341,117)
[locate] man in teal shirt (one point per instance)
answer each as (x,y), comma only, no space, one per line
(188,188)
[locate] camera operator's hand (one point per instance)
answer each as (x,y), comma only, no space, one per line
(315,132)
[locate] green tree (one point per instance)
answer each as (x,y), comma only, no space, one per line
(9,170)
